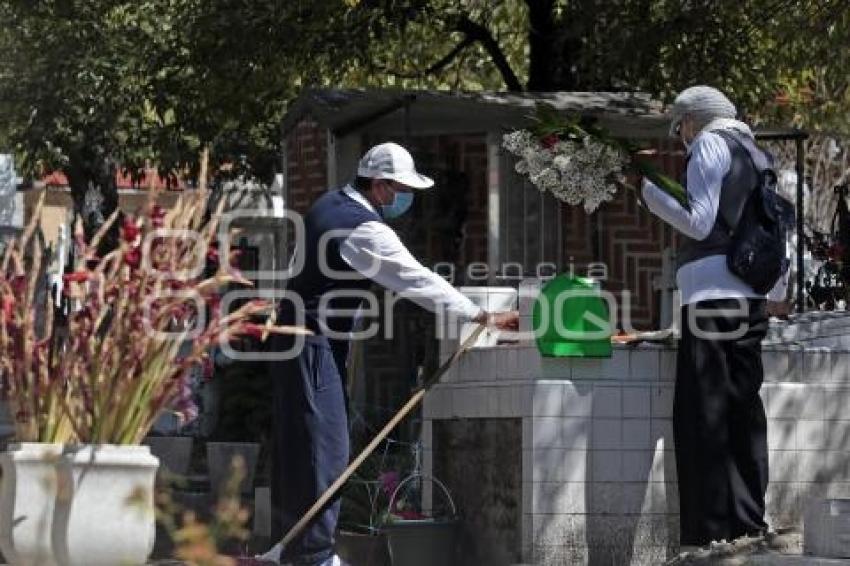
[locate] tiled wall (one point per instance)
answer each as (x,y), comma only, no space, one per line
(599,478)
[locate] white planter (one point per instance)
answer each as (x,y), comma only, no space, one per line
(27,495)
(105,506)
(491,299)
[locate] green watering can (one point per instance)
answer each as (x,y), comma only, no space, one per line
(571,319)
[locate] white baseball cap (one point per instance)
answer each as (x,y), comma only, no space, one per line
(391,161)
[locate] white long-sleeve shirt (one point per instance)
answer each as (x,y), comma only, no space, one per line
(374,250)
(708,277)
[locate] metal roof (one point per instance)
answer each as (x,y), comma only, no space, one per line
(429,112)
(432,112)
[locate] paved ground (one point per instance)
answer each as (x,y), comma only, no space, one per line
(784,549)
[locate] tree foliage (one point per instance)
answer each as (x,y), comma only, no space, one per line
(88,83)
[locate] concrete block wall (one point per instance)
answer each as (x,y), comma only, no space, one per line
(599,477)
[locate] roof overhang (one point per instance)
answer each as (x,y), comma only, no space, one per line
(399,112)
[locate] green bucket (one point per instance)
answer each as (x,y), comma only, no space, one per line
(571,319)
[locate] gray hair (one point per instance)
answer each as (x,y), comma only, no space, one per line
(703,104)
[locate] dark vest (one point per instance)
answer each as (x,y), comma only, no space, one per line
(333,211)
(736,187)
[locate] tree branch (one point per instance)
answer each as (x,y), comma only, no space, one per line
(477,32)
(439,65)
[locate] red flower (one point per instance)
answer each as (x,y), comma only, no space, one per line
(18,284)
(129,230)
(76,277)
(8,307)
(549,141)
(133,257)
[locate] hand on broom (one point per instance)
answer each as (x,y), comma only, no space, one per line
(508,320)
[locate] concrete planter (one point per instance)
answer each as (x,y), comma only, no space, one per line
(105,506)
(174,452)
(27,496)
(220,456)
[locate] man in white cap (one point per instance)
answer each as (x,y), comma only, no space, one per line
(347,246)
(719,421)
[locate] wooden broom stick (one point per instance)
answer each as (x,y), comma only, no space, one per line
(403,412)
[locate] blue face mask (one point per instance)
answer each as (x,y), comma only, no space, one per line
(401,204)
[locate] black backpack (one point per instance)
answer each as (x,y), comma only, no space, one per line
(757,253)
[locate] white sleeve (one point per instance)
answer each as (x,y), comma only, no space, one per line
(374,250)
(710,161)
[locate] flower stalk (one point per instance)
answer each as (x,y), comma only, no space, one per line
(138,327)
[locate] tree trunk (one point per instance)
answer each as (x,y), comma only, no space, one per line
(541,43)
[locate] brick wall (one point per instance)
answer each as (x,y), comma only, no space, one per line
(628,239)
(306,163)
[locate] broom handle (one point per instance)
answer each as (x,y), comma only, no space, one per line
(352,467)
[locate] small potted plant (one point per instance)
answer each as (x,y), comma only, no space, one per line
(416,538)
(120,363)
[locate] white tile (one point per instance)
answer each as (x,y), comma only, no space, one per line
(663,468)
(615,367)
(644,364)
(548,399)
(636,434)
(782,434)
(837,462)
(837,435)
(784,465)
(555,368)
(586,368)
(782,365)
(606,434)
(578,399)
(786,400)
(547,432)
(607,498)
(633,495)
(607,465)
(836,401)
(811,435)
(560,465)
(667,365)
(661,400)
(607,401)
(575,433)
(841,367)
(811,465)
(813,403)
(817,365)
(494,404)
(636,402)
(663,429)
(637,465)
(509,402)
(478,402)
(559,498)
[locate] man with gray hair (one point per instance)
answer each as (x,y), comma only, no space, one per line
(719,421)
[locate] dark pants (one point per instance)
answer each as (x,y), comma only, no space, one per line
(719,424)
(310,443)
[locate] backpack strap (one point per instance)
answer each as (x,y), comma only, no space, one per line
(761,166)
